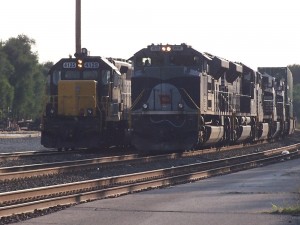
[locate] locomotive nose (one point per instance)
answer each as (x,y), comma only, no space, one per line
(165,135)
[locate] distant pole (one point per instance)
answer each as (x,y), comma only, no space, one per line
(78,26)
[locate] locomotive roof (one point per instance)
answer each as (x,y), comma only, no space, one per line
(145,51)
(88,58)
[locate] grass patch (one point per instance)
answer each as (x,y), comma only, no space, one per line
(289,210)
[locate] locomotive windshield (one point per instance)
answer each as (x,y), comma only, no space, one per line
(78,75)
(169,60)
(71,75)
(167,63)
(101,76)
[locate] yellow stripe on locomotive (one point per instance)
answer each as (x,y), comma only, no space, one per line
(77,97)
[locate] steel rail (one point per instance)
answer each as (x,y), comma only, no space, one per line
(65,164)
(138,182)
(8,173)
(26,154)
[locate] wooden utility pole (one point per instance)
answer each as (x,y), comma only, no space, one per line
(78,26)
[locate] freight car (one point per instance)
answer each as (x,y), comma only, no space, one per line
(89,100)
(183,98)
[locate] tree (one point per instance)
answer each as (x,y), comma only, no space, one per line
(6,89)
(46,68)
(295,69)
(27,78)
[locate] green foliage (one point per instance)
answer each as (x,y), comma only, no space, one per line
(295,69)
(289,210)
(22,79)
(6,89)
(6,93)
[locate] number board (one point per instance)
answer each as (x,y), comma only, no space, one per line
(91,65)
(69,65)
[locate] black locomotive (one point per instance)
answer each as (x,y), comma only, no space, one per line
(183,98)
(88,105)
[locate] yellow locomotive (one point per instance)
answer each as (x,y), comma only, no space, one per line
(88,103)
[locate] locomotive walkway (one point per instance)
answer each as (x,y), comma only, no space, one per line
(241,198)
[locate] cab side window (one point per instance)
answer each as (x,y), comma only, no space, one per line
(105,77)
(56,77)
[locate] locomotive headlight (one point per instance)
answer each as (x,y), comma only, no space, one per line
(145,106)
(166,49)
(180,106)
(79,63)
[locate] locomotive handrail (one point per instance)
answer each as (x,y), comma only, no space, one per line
(225,96)
(190,98)
(137,99)
(46,101)
(52,99)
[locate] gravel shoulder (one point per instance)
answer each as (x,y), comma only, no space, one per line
(20,141)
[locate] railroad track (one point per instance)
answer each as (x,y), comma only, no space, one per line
(54,152)
(26,171)
(39,199)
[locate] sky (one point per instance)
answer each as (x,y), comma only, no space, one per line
(254,32)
